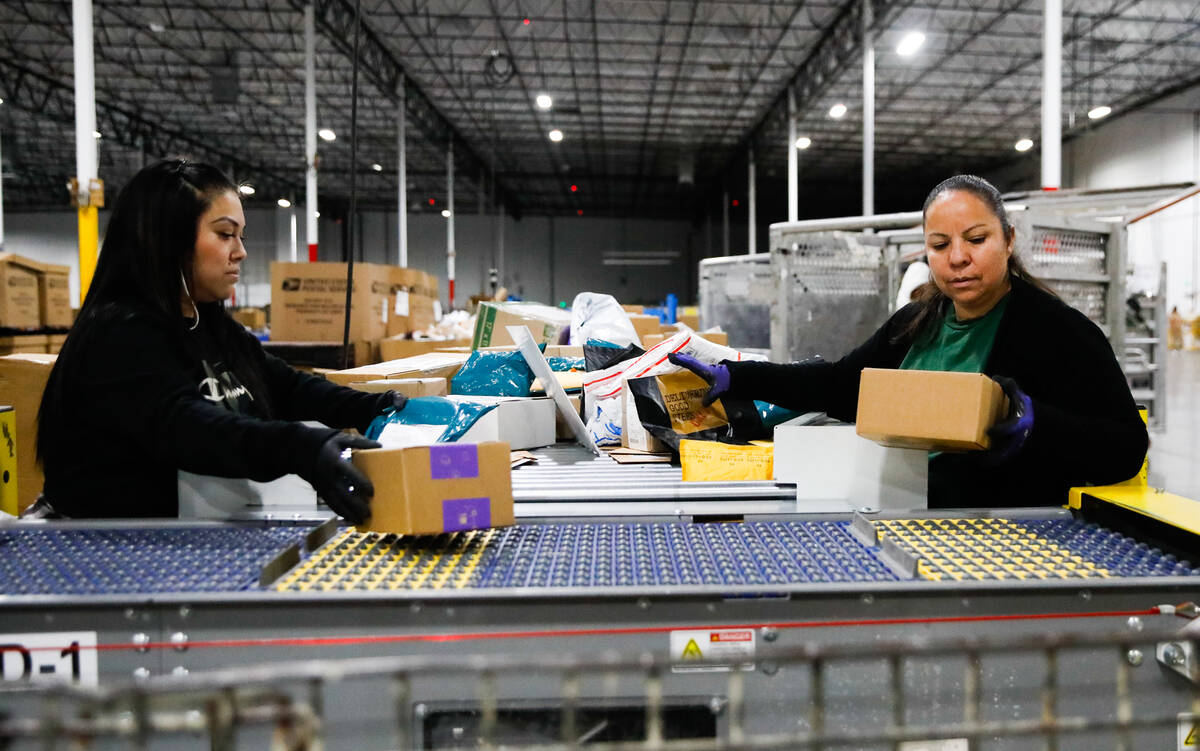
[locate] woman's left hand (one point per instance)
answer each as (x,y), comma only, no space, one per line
(1009,435)
(391,401)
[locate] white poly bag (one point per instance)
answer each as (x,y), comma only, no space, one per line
(596,316)
(602,389)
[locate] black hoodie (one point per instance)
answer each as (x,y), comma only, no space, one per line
(135,398)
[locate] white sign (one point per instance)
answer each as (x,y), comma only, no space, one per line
(1187,734)
(722,650)
(50,657)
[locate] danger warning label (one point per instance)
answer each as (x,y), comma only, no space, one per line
(716,650)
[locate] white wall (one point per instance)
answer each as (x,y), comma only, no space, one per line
(1157,145)
(548,259)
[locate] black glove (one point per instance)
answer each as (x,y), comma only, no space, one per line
(342,486)
(391,401)
(1012,430)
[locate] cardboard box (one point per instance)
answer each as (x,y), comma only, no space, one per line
(54,343)
(562,431)
(22,380)
(254,319)
(19,298)
(689,316)
(429,490)
(410,299)
(308,301)
(430,365)
(633,435)
(836,470)
(645,325)
(930,410)
(410,387)
(638,309)
(54,296)
(521,422)
(711,461)
(545,323)
(24,344)
(396,348)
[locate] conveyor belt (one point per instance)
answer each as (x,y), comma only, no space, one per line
(567,473)
(753,553)
(137,560)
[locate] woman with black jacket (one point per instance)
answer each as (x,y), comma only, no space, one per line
(1072,419)
(155,377)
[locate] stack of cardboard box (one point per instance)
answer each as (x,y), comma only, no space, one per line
(388,302)
(35,305)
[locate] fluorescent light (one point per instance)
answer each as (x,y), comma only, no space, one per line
(803,142)
(910,43)
(837,111)
(544,101)
(157,28)
(1098,112)
(1024,145)
(556,135)
(246,190)
(377,167)
(326,134)
(284,203)
(446,213)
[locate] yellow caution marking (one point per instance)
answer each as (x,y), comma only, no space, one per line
(691,651)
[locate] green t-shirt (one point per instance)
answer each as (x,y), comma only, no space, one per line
(959,346)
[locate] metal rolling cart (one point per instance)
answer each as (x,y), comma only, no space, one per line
(986,630)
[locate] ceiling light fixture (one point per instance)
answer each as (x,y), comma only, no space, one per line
(837,111)
(803,142)
(246,190)
(556,135)
(377,167)
(544,101)
(96,134)
(1098,112)
(317,214)
(157,28)
(446,213)
(284,203)
(326,134)
(1024,144)
(910,43)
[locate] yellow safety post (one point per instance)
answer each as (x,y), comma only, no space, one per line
(89,244)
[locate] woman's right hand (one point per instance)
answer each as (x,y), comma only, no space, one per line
(343,486)
(716,376)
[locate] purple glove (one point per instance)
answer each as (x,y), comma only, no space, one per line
(716,376)
(1010,434)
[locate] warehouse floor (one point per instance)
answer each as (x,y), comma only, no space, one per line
(1174,458)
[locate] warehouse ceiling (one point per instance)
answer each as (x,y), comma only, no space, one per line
(659,103)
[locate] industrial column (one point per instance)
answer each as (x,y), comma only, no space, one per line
(868,146)
(1052,95)
(1,192)
(402,173)
(310,130)
(450,220)
(89,192)
(793,160)
(753,239)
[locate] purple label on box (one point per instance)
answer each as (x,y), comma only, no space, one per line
(459,514)
(450,461)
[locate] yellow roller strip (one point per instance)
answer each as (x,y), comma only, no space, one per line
(1175,510)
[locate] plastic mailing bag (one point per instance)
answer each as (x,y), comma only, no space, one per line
(670,408)
(595,316)
(493,374)
(598,355)
(427,419)
(602,389)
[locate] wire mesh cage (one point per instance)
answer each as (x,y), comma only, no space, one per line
(1018,691)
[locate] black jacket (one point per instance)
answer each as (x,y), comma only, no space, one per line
(1086,427)
(137,397)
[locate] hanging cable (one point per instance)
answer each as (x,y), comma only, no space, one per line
(348,252)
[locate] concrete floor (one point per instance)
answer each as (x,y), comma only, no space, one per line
(1174,452)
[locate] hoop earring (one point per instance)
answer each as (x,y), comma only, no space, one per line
(195,310)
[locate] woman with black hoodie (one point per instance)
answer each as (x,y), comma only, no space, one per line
(155,377)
